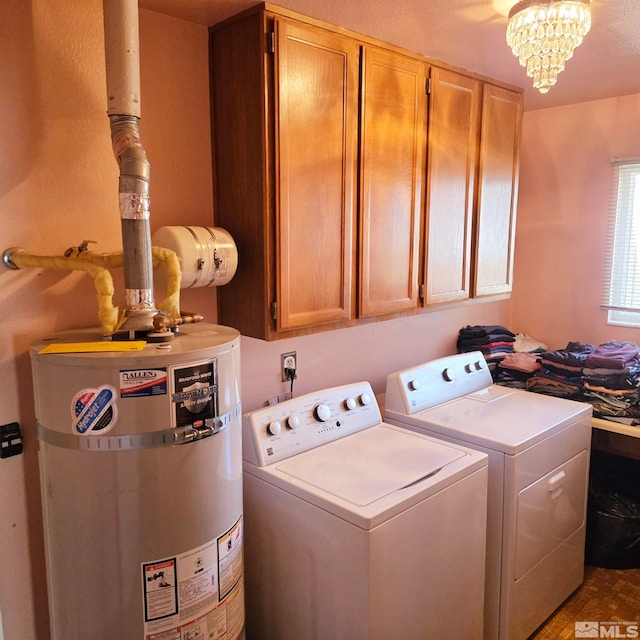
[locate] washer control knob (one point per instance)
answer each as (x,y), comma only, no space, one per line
(293,422)
(350,404)
(414,385)
(449,374)
(364,399)
(479,365)
(274,428)
(468,368)
(322,412)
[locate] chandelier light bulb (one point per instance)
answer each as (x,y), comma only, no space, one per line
(543,35)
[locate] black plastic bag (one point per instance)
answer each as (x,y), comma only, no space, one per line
(613,513)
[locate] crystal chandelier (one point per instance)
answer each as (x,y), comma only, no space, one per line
(543,34)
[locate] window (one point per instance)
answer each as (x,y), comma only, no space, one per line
(621,286)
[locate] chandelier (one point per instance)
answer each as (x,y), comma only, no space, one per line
(543,34)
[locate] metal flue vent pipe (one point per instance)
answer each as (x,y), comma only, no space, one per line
(121,37)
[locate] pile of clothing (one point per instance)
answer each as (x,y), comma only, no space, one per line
(612,381)
(494,341)
(606,376)
(560,372)
(510,356)
(516,368)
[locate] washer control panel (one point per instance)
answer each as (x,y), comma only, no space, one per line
(285,429)
(437,381)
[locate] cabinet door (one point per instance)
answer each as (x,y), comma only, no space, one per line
(392,169)
(454,112)
(497,190)
(316,102)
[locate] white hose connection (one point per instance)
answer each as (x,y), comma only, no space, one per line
(123,107)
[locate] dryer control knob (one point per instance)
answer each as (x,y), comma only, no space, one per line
(479,365)
(322,412)
(468,368)
(350,404)
(274,428)
(414,385)
(293,422)
(449,374)
(364,399)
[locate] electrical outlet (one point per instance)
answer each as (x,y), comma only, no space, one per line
(289,361)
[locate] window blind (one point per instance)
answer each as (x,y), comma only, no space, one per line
(621,278)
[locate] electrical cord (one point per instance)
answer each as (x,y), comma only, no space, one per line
(291,375)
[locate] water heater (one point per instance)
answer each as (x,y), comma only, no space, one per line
(141,477)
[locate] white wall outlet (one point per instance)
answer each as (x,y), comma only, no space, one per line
(289,361)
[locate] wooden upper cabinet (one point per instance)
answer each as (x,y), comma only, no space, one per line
(497,190)
(392,143)
(316,91)
(454,113)
(285,134)
(344,185)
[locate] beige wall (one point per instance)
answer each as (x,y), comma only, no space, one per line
(58,186)
(563,202)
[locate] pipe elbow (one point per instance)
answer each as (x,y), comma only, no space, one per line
(128,149)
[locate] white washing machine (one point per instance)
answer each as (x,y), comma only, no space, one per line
(356,529)
(538,448)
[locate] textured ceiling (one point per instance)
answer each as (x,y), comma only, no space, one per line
(469,34)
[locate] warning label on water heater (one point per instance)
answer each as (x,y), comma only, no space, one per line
(198,594)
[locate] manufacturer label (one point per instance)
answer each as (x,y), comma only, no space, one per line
(195,393)
(94,410)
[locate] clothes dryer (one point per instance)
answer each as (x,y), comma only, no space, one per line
(356,529)
(538,448)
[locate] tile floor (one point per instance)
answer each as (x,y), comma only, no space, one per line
(606,595)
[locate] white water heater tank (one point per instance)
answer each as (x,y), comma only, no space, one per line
(141,476)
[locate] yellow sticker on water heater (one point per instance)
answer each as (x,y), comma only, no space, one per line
(93,347)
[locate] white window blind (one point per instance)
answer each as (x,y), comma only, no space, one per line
(621,283)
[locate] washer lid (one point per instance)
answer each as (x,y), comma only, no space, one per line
(371,464)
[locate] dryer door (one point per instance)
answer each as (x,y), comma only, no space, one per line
(549,511)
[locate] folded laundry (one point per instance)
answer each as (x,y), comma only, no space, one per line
(630,394)
(606,376)
(560,367)
(493,341)
(478,343)
(542,383)
(608,405)
(526,343)
(626,378)
(615,354)
(575,354)
(558,374)
(479,331)
(524,362)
